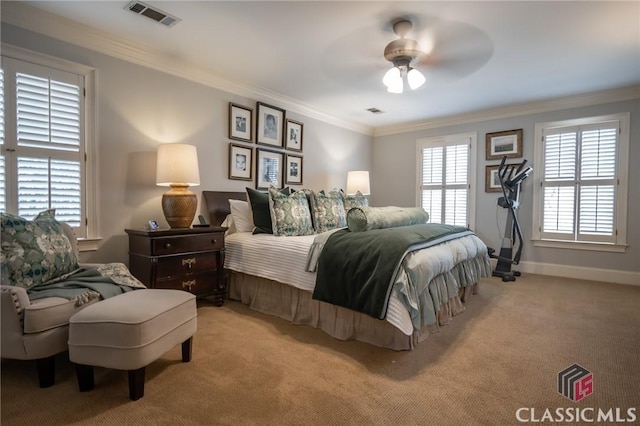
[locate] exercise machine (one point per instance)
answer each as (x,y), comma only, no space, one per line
(511,178)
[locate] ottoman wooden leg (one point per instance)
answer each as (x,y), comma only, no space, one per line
(85,377)
(136,384)
(187,349)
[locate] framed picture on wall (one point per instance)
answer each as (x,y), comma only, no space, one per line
(507,143)
(293,135)
(270,125)
(240,122)
(268,169)
(293,170)
(240,162)
(492,181)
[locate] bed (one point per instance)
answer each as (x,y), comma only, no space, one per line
(272,274)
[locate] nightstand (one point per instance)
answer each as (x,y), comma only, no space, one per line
(190,259)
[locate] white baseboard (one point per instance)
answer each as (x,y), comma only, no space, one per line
(579,272)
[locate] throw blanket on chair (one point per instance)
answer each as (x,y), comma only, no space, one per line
(356,270)
(84,285)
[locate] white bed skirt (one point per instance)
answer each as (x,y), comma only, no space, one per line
(296,305)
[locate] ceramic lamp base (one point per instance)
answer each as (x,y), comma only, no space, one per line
(179,206)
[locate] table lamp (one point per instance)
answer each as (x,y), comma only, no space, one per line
(178,168)
(358,181)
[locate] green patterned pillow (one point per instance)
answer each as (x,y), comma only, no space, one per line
(328,211)
(355,200)
(290,215)
(34,252)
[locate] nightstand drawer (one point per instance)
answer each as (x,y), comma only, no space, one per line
(198,284)
(181,244)
(174,266)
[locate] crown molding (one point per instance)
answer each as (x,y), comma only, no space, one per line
(73,32)
(567,102)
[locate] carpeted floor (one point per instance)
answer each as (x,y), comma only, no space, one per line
(501,355)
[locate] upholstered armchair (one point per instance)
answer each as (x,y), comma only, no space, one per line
(37,329)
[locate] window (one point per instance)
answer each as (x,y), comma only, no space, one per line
(580,187)
(44,139)
(445,165)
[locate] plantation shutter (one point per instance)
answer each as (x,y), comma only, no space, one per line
(579,182)
(3,186)
(445,182)
(47,152)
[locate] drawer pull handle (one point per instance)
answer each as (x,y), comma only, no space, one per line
(167,246)
(189,262)
(188,284)
(214,241)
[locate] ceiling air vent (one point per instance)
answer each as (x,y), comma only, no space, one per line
(152,13)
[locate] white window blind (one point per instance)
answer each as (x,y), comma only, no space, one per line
(580,182)
(3,191)
(444,189)
(43,154)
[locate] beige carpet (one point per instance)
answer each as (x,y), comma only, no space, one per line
(502,354)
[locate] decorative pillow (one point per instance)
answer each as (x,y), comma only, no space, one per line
(241,214)
(229,224)
(259,203)
(290,215)
(328,211)
(366,218)
(355,200)
(34,252)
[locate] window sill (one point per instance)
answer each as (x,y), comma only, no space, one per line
(88,244)
(614,248)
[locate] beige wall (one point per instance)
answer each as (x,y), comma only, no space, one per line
(139,108)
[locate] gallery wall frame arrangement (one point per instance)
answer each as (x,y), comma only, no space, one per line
(240,122)
(269,167)
(491,180)
(293,169)
(294,135)
(506,143)
(270,125)
(240,162)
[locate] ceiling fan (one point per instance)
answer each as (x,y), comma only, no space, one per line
(401,53)
(443,51)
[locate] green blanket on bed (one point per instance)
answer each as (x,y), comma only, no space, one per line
(356,270)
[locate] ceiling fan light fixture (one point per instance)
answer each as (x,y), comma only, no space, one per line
(415,78)
(392,77)
(401,52)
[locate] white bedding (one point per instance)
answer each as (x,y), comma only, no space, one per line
(284,259)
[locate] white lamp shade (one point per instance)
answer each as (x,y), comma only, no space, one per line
(177,164)
(358,181)
(392,77)
(415,78)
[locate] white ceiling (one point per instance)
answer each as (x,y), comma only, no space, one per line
(328,55)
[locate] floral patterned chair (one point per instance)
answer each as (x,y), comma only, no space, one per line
(34,252)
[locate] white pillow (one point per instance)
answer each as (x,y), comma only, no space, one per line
(228,223)
(242,216)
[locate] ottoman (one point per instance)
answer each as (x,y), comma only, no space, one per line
(129,332)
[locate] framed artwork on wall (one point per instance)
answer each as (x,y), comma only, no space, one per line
(293,170)
(293,135)
(240,122)
(492,181)
(240,161)
(268,169)
(507,143)
(270,125)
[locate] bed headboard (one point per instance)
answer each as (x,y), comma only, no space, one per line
(218,204)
